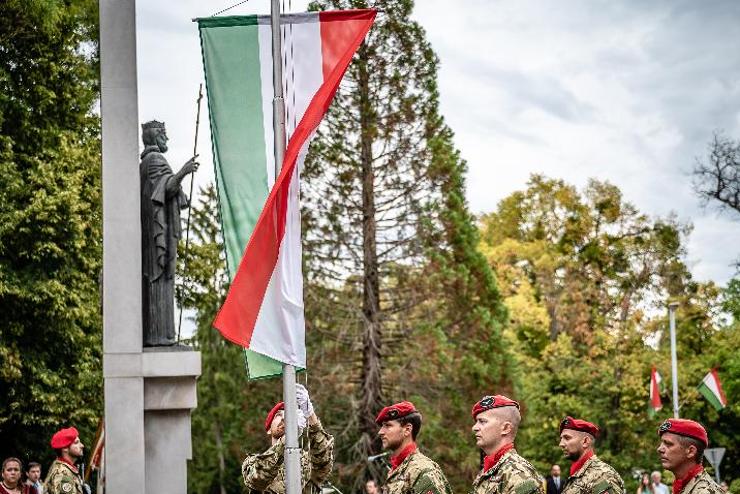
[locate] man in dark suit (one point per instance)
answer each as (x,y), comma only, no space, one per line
(553,482)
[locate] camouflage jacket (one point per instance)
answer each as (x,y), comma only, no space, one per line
(63,479)
(265,472)
(701,484)
(511,475)
(416,474)
(594,477)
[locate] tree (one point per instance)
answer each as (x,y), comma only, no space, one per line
(50,224)
(389,239)
(585,276)
(718,179)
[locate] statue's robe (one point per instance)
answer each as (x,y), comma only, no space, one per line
(161,202)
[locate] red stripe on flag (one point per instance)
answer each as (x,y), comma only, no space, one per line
(719,387)
(238,315)
(336,27)
(654,391)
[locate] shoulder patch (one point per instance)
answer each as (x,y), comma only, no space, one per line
(603,486)
(527,487)
(66,487)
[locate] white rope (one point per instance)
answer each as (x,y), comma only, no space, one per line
(228,8)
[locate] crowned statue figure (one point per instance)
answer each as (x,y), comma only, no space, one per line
(162,199)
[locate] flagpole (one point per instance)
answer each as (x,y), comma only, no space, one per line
(674,360)
(292,456)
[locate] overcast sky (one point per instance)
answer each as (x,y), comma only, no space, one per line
(628,92)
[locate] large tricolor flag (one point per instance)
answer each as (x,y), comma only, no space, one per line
(260,214)
(711,388)
(655,403)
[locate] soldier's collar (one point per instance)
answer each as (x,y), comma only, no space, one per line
(578,464)
(68,463)
(402,455)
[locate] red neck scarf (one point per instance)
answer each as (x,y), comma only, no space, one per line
(72,465)
(402,455)
(580,461)
(490,461)
(679,484)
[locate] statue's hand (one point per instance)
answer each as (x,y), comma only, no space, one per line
(191,166)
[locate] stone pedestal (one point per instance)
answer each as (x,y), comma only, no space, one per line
(149,393)
(148,400)
(169,396)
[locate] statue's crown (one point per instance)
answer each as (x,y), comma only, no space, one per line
(152,125)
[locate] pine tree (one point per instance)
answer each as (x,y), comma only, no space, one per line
(390,245)
(50,224)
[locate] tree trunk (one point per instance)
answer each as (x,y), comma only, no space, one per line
(370,379)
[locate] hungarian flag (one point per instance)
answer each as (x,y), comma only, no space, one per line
(260,214)
(711,388)
(655,403)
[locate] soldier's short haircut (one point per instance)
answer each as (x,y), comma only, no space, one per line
(685,442)
(414,419)
(512,415)
(31,465)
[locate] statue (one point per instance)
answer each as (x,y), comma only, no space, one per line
(161,202)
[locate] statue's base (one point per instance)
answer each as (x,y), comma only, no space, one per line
(177,347)
(149,396)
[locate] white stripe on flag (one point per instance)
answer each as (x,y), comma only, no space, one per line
(711,383)
(282,306)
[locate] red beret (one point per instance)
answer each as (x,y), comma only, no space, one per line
(396,411)
(489,402)
(579,425)
(64,437)
(685,427)
(271,415)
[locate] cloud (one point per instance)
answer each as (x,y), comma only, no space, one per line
(628,92)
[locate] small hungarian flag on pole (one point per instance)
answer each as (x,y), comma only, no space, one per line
(655,403)
(261,223)
(711,388)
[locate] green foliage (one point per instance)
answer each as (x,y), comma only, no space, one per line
(50,224)
(586,277)
(440,309)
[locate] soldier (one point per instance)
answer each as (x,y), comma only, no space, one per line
(63,476)
(411,472)
(588,474)
(265,472)
(681,449)
(497,420)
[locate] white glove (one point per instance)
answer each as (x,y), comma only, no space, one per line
(301,421)
(304,401)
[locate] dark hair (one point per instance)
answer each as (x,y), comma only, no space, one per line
(149,135)
(11,459)
(686,441)
(32,464)
(414,419)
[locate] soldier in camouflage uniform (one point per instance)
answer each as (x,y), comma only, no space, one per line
(411,471)
(681,449)
(588,474)
(63,476)
(265,472)
(497,420)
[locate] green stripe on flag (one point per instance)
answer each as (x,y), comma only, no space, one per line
(231,63)
(712,398)
(235,104)
(261,366)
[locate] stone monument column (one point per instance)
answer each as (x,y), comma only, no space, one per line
(148,395)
